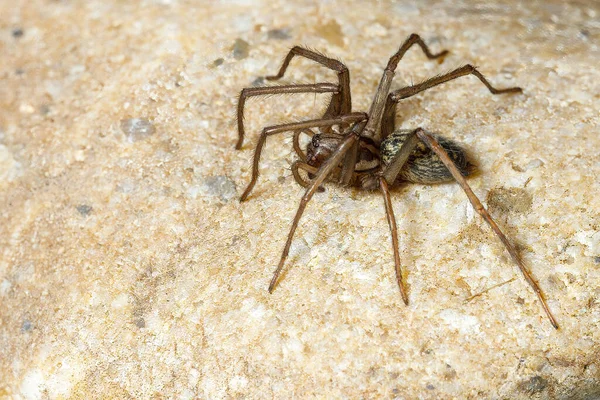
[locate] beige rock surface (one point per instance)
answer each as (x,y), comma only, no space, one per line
(128,269)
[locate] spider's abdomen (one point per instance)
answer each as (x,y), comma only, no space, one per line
(423,165)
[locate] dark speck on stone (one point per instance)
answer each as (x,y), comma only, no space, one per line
(597,259)
(218,61)
(533,385)
(17,32)
(430,386)
(84,209)
(137,129)
(27,326)
(258,81)
(140,322)
(279,34)
(241,49)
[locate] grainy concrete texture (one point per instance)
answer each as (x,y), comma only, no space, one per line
(128,268)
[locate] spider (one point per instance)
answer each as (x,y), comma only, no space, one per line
(364,150)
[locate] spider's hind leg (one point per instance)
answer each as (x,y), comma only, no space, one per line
(434,145)
(423,165)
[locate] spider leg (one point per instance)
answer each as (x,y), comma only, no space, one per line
(389,212)
(386,81)
(297,166)
(296,142)
(326,168)
(389,113)
(286,89)
(341,102)
(271,130)
(433,144)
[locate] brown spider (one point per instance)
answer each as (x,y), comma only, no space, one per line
(367,152)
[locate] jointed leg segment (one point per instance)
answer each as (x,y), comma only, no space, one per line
(286,89)
(322,174)
(389,113)
(295,126)
(389,212)
(340,103)
(433,144)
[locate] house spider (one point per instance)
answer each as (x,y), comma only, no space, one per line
(365,150)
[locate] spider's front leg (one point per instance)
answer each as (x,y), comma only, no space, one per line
(293,127)
(324,171)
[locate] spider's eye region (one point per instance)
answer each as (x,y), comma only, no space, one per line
(315,140)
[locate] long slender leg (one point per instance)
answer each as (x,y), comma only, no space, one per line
(390,173)
(297,166)
(296,142)
(386,81)
(261,91)
(389,212)
(389,113)
(271,130)
(341,102)
(433,144)
(322,174)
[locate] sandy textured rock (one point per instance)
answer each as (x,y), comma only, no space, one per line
(128,269)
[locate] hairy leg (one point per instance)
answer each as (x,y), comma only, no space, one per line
(433,144)
(262,91)
(326,169)
(272,130)
(341,102)
(386,81)
(389,113)
(389,212)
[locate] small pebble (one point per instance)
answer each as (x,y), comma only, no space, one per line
(258,81)
(26,326)
(84,209)
(17,32)
(137,128)
(533,385)
(220,186)
(241,48)
(512,199)
(279,34)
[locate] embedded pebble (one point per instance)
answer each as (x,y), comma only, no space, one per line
(533,385)
(533,164)
(84,209)
(332,32)
(220,186)
(510,199)
(137,129)
(241,48)
(279,34)
(26,326)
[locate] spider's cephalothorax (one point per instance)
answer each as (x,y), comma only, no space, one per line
(320,148)
(367,151)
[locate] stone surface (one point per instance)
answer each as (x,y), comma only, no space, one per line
(129,270)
